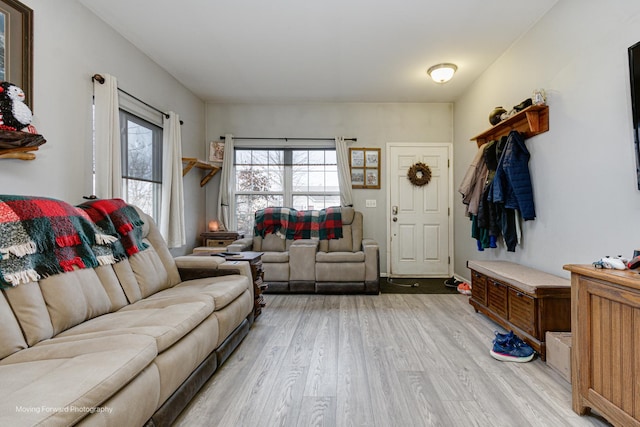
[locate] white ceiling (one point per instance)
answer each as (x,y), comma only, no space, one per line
(322,50)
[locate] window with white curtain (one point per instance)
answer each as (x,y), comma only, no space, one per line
(141,143)
(300,178)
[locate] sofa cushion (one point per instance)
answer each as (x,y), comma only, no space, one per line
(11,338)
(231,316)
(177,363)
(112,286)
(166,320)
(56,384)
(154,238)
(273,243)
(127,279)
(275,257)
(340,272)
(221,290)
(351,234)
(144,390)
(149,271)
(525,278)
(29,307)
(276,271)
(74,297)
(340,256)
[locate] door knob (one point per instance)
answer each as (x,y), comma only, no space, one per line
(395,219)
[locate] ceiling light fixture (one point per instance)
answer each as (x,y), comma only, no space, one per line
(442,73)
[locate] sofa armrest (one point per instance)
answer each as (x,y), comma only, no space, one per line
(241,245)
(193,267)
(198,266)
(242,268)
(302,260)
(372,260)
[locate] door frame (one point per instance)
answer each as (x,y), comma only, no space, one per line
(449,147)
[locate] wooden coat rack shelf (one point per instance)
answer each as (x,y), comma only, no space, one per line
(529,122)
(192,162)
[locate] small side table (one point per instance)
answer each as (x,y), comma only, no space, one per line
(255,262)
(219,238)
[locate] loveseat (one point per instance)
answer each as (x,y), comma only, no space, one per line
(122,343)
(323,264)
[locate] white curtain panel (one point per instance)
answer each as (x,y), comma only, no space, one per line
(108,169)
(226,181)
(344,174)
(172,224)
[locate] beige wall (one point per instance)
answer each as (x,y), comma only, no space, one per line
(71,45)
(583,169)
(373,124)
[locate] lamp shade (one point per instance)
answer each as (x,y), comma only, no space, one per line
(442,73)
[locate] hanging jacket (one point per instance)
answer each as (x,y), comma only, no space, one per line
(472,183)
(487,217)
(512,182)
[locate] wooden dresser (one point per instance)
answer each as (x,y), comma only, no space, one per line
(605,356)
(219,238)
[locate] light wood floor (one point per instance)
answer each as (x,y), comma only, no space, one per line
(387,360)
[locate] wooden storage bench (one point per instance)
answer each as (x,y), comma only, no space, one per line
(528,301)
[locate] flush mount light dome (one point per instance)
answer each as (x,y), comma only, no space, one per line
(442,73)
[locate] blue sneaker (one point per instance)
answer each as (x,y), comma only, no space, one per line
(503,338)
(510,348)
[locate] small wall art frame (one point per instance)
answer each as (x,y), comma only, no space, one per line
(216,152)
(364,164)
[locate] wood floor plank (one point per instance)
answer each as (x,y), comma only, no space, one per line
(385,361)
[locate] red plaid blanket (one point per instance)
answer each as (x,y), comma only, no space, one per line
(41,236)
(120,219)
(292,224)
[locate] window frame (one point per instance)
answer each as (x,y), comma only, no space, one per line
(126,116)
(287,193)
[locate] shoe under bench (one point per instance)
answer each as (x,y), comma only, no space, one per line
(528,301)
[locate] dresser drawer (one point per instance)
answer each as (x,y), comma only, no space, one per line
(497,297)
(522,311)
(219,243)
(479,287)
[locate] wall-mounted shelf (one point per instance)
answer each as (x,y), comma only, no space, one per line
(19,145)
(193,162)
(529,122)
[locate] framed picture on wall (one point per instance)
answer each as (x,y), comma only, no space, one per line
(634,73)
(216,152)
(365,167)
(357,157)
(357,177)
(16,49)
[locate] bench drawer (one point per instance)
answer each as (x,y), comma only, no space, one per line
(522,311)
(479,287)
(497,297)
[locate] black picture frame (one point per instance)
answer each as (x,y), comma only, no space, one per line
(16,53)
(634,74)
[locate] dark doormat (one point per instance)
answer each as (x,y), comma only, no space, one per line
(415,286)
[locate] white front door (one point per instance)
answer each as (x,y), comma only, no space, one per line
(419,218)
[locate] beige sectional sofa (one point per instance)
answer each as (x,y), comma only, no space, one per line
(122,344)
(350,264)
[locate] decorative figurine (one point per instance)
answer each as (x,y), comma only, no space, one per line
(14,113)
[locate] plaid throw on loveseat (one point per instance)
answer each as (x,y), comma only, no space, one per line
(293,224)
